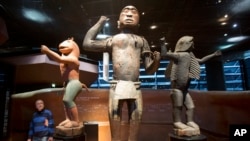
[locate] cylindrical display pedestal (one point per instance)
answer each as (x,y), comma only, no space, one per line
(173,137)
(91,131)
(73,138)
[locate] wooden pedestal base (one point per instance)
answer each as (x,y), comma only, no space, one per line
(69,132)
(173,137)
(187,132)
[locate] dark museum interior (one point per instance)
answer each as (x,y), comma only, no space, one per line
(221,95)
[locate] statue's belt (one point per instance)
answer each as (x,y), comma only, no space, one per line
(113,84)
(125,89)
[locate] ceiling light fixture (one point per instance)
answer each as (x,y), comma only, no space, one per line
(36,15)
(106,24)
(226,46)
(223,23)
(153,46)
(53,85)
(153,26)
(235,25)
(237,39)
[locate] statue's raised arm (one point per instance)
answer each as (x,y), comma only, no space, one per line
(90,43)
(208,57)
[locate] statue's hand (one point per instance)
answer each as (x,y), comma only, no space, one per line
(104,18)
(217,53)
(164,48)
(157,55)
(162,39)
(44,49)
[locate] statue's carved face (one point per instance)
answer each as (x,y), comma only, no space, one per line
(129,17)
(68,46)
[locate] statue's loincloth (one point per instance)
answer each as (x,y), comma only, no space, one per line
(125,89)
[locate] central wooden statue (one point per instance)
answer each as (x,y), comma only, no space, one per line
(126,48)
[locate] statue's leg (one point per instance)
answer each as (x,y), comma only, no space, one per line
(74,122)
(135,109)
(114,116)
(72,90)
(190,112)
(177,103)
(67,115)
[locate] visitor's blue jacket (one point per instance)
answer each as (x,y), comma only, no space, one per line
(37,125)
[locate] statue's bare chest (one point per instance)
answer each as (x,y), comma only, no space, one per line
(127,40)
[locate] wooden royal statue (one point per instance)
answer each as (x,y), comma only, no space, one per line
(182,68)
(69,68)
(126,48)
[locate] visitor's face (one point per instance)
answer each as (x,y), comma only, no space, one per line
(39,105)
(129,17)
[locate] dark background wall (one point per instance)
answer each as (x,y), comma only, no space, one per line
(246,71)
(6,88)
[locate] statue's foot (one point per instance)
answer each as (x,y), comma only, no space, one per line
(186,130)
(64,122)
(71,124)
(180,125)
(193,124)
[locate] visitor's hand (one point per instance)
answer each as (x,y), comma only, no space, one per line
(44,49)
(46,123)
(217,53)
(28,139)
(50,139)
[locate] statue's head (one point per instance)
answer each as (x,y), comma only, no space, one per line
(129,18)
(69,46)
(185,43)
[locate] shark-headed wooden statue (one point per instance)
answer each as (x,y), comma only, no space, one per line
(182,68)
(69,68)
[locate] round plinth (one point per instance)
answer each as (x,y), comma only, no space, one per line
(174,137)
(73,138)
(69,132)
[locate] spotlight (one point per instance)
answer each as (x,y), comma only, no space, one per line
(223,23)
(235,25)
(106,24)
(153,26)
(53,85)
(153,46)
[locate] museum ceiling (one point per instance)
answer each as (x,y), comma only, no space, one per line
(215,24)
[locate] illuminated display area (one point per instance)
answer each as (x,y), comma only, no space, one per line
(232,74)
